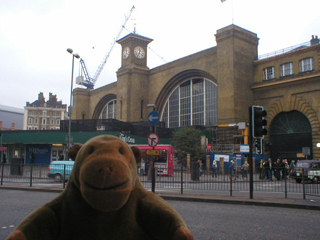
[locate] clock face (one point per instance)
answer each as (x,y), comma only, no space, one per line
(126,53)
(139,52)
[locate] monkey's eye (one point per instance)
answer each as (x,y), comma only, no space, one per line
(91,150)
(121,151)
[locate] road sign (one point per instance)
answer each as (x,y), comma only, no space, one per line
(153,139)
(244,148)
(153,118)
(152,152)
(306,151)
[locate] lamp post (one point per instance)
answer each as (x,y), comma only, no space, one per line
(153,170)
(74,55)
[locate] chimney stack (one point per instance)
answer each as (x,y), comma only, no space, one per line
(314,40)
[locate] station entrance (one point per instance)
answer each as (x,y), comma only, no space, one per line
(289,133)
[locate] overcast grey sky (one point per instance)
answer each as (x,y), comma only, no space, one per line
(36,33)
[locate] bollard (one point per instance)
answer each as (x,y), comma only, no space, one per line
(285,184)
(181,179)
(64,176)
(2,171)
(231,176)
(31,170)
(303,187)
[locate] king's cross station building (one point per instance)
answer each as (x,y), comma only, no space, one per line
(211,90)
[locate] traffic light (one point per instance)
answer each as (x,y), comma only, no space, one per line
(258,145)
(258,122)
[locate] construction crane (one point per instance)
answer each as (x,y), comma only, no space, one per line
(87,80)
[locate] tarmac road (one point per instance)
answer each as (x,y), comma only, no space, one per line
(206,220)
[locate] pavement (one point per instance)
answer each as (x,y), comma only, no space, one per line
(268,199)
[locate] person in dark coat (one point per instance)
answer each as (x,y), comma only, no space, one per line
(31,157)
(278,169)
(268,168)
(61,157)
(4,158)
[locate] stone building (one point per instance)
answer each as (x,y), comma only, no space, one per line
(44,115)
(215,87)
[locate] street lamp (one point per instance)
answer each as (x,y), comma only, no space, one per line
(153,170)
(74,55)
(151,106)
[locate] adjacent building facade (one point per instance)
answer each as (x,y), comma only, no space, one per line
(11,118)
(215,87)
(288,85)
(44,115)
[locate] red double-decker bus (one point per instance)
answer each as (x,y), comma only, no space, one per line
(163,161)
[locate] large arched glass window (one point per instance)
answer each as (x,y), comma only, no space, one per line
(109,110)
(194,102)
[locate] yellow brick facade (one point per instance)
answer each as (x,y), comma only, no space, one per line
(232,64)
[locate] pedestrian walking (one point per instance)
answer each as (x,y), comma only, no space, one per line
(278,169)
(263,169)
(200,167)
(245,170)
(292,166)
(214,169)
(233,170)
(268,168)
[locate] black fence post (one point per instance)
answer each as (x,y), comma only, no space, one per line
(250,154)
(231,176)
(181,179)
(285,184)
(153,177)
(31,169)
(2,171)
(303,186)
(64,176)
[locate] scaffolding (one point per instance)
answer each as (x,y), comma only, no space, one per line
(226,140)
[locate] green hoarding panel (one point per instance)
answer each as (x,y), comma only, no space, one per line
(50,137)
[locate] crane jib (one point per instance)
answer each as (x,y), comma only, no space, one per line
(88,81)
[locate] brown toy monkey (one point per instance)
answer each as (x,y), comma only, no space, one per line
(104,199)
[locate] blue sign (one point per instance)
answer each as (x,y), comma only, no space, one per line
(40,153)
(153,118)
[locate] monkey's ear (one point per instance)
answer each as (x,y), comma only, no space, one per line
(137,153)
(73,151)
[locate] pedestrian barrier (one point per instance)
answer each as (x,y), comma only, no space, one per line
(26,173)
(183,178)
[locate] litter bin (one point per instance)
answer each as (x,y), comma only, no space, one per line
(195,171)
(16,166)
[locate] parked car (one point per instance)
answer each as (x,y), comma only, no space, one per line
(314,172)
(59,170)
(309,168)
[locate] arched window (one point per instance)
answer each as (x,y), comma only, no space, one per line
(290,123)
(109,110)
(194,102)
(289,133)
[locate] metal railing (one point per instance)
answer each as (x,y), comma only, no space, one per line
(228,180)
(30,174)
(231,180)
(284,50)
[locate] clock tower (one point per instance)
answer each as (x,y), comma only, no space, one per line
(133,79)
(134,50)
